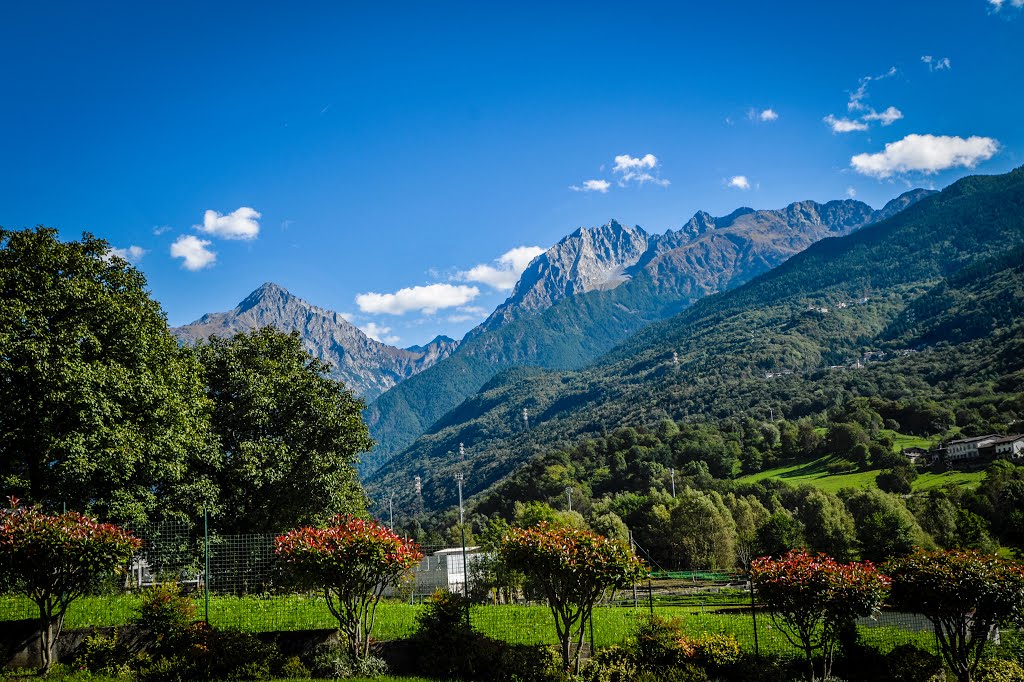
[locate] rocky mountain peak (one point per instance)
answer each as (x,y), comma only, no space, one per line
(368,367)
(589,259)
(903,201)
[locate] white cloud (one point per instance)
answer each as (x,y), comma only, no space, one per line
(638,170)
(851,192)
(592,186)
(625,162)
(161,229)
(844,125)
(194,252)
(926,154)
(428,299)
(861,92)
(133,254)
(510,266)
(467,313)
(768,115)
(242,223)
(739,182)
(886,117)
(998,4)
(938,63)
(379,333)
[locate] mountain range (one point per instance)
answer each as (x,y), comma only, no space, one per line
(931,298)
(596,287)
(573,303)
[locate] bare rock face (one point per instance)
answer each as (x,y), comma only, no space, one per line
(368,367)
(589,259)
(707,254)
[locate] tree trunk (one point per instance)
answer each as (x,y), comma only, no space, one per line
(49,630)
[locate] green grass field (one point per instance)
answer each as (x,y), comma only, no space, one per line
(815,473)
(514,624)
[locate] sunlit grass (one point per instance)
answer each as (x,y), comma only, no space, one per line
(515,624)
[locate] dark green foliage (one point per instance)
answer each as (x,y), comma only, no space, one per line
(290,435)
(899,480)
(445,643)
(779,534)
(657,642)
(885,528)
(102,410)
(911,663)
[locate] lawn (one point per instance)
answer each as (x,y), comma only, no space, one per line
(815,473)
(514,623)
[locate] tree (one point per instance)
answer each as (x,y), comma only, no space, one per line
(102,410)
(899,480)
(703,530)
(843,437)
(351,561)
(573,568)
(55,559)
(812,599)
(885,527)
(749,515)
(779,534)
(828,526)
(964,593)
(290,435)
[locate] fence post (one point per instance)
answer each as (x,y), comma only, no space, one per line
(753,614)
(206,556)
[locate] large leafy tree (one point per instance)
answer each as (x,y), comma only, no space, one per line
(573,568)
(965,594)
(290,435)
(55,559)
(351,561)
(101,409)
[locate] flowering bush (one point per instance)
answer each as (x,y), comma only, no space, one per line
(54,559)
(965,594)
(351,561)
(573,568)
(812,597)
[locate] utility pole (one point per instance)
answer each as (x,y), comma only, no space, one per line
(672,473)
(391,510)
(568,494)
(526,419)
(465,566)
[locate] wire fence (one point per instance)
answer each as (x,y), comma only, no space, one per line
(245,589)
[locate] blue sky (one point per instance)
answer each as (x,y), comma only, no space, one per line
(350,152)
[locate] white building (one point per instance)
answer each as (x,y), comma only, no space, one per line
(444,569)
(1011,447)
(967,448)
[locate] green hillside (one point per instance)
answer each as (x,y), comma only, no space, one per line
(815,473)
(789,341)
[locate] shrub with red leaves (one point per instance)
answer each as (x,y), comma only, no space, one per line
(573,568)
(965,594)
(811,598)
(55,558)
(351,561)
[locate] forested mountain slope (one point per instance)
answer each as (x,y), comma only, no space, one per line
(936,287)
(599,285)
